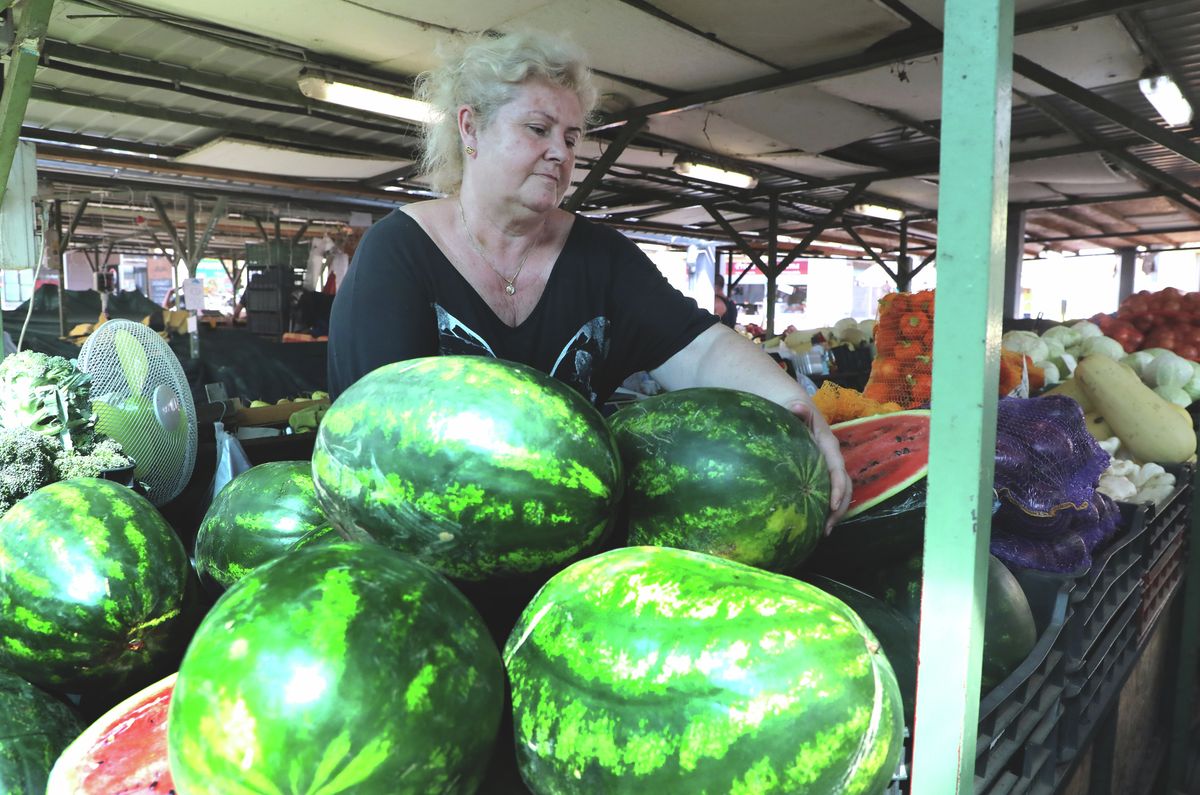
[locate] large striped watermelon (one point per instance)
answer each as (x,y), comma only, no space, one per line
(343,668)
(34,729)
(258,516)
(723,472)
(1009,631)
(124,752)
(476,466)
(92,587)
(659,670)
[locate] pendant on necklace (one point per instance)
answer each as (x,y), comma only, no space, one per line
(508,288)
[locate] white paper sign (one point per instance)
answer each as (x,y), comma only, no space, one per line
(193,294)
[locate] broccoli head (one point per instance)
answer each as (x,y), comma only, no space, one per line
(89,462)
(26,464)
(48,394)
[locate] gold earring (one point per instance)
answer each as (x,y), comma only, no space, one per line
(470,150)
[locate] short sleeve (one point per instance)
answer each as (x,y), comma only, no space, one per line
(383,310)
(653,320)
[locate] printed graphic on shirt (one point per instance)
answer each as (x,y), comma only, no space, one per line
(574,366)
(578,360)
(455,338)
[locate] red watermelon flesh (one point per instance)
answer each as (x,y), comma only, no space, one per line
(122,753)
(884,455)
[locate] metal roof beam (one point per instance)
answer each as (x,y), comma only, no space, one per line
(919,47)
(1075,201)
(600,168)
(1141,35)
(249,129)
(1173,230)
(1176,188)
(1178,144)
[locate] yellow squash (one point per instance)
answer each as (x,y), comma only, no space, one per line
(1151,428)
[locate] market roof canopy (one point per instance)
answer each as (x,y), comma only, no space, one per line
(820,100)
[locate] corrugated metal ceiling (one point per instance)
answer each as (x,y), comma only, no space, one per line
(169,76)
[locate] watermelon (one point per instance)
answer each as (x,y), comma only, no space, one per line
(92,587)
(884,455)
(340,668)
(476,466)
(653,669)
(896,632)
(1009,631)
(34,729)
(123,752)
(723,472)
(258,516)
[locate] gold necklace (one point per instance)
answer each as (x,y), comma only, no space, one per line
(510,285)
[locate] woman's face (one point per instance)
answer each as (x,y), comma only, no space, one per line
(527,151)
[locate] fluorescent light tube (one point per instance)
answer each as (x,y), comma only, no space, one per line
(703,171)
(878,211)
(1164,95)
(363,98)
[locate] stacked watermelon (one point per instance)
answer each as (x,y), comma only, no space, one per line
(478,467)
(92,588)
(723,472)
(652,669)
(260,515)
(334,669)
(34,728)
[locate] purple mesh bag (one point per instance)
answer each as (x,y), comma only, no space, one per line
(1047,467)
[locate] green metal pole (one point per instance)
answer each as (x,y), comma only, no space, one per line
(972,209)
(18,80)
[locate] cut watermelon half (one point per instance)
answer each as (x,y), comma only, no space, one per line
(884,455)
(122,753)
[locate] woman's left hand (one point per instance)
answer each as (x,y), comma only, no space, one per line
(839,481)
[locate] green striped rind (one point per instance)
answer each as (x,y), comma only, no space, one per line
(723,472)
(345,668)
(651,669)
(92,585)
(259,515)
(476,466)
(34,729)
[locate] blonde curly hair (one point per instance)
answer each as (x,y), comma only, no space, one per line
(485,74)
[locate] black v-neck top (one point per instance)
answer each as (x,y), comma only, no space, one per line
(606,311)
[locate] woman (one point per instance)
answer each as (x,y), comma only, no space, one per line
(496,268)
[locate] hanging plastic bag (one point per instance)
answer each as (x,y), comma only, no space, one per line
(231,459)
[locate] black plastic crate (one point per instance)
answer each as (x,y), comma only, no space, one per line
(1160,584)
(279,279)
(268,300)
(1104,590)
(1093,688)
(1033,769)
(1169,520)
(1030,699)
(266,323)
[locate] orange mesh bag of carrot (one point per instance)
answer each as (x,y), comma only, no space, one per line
(838,404)
(901,372)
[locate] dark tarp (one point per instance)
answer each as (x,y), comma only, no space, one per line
(251,367)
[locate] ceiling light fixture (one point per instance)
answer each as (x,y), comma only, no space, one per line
(691,167)
(1166,98)
(318,87)
(878,211)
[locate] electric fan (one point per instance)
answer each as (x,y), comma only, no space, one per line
(142,399)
